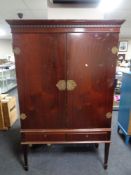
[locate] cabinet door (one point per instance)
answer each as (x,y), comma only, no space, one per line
(40,64)
(91,65)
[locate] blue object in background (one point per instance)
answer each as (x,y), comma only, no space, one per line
(124,115)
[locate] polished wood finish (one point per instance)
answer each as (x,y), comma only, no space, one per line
(43,137)
(65,130)
(38,97)
(93,93)
(77,136)
(62,26)
(87,136)
(63,142)
(31,22)
(65,72)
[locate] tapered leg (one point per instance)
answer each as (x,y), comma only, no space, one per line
(107,146)
(25,153)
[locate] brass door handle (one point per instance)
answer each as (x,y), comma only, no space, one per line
(71,85)
(61,85)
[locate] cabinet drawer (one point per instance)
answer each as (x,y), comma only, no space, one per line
(34,137)
(87,137)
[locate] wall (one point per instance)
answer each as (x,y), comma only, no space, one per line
(6,49)
(74,13)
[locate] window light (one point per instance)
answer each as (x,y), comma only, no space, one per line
(2,32)
(109,5)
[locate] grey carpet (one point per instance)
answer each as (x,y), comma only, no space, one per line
(64,159)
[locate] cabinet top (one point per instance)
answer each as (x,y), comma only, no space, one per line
(60,26)
(65,22)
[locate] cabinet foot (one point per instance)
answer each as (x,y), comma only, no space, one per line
(26,168)
(105,166)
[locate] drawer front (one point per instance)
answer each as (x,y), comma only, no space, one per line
(34,137)
(87,137)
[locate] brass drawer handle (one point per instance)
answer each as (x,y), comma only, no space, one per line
(61,85)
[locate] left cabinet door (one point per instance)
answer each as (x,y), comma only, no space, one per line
(40,64)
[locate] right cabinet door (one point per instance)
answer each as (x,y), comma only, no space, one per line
(91,60)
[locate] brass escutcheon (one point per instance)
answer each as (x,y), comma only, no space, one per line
(17,50)
(108,115)
(61,85)
(23,116)
(71,85)
(114,50)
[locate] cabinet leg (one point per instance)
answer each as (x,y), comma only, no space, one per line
(25,153)
(107,146)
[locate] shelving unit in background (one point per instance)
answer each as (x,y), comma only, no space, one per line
(124,115)
(123,65)
(7,77)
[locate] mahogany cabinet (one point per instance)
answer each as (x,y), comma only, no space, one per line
(65,74)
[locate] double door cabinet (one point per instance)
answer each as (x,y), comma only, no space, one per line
(65,74)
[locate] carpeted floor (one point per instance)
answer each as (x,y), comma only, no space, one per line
(66,159)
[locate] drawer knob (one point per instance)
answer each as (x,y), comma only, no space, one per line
(86,136)
(45,135)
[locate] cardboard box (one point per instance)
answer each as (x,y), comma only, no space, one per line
(2,125)
(9,111)
(1,118)
(3,96)
(8,114)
